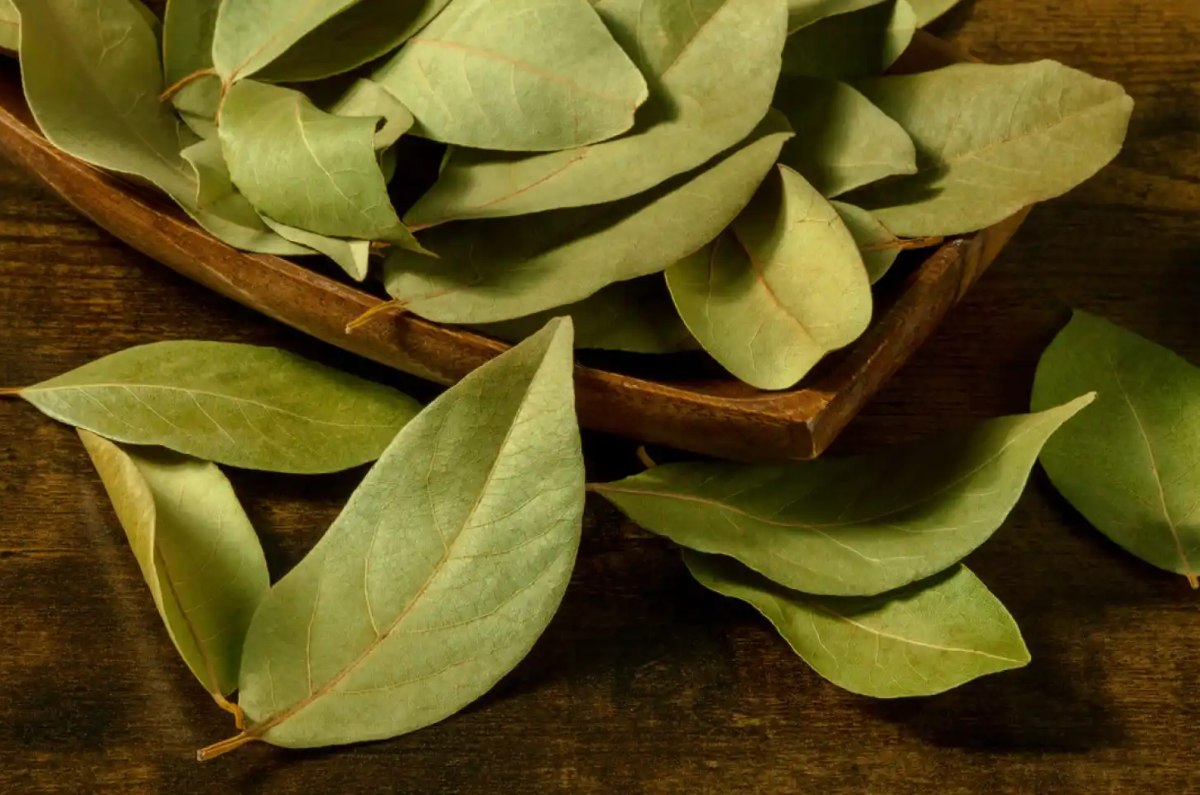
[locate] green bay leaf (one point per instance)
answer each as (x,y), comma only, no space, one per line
(842,141)
(360,34)
(861,43)
(1131,463)
(520,75)
(251,34)
(851,526)
(10,26)
(920,641)
(352,256)
(442,571)
(802,13)
(275,139)
(368,98)
(711,65)
(257,408)
(992,140)
(502,269)
(187,50)
(879,248)
(770,298)
(929,10)
(197,551)
(636,316)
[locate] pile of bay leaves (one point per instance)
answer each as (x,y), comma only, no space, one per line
(561,156)
(580,150)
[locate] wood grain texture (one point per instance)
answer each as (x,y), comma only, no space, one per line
(645,683)
(689,409)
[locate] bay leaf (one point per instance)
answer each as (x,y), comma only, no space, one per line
(930,10)
(226,213)
(1130,464)
(861,43)
(842,141)
(274,139)
(363,32)
(368,98)
(784,287)
(992,140)
(442,571)
(508,268)
(711,66)
(919,641)
(187,50)
(241,405)
(521,75)
(101,103)
(352,256)
(636,316)
(849,526)
(196,548)
(251,34)
(802,13)
(879,248)
(10,26)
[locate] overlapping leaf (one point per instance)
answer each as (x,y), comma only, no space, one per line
(196,549)
(712,67)
(929,10)
(306,168)
(508,268)
(251,34)
(802,13)
(842,141)
(442,571)
(854,526)
(861,43)
(10,26)
(879,248)
(258,408)
(769,299)
(187,51)
(521,75)
(1130,464)
(918,641)
(992,140)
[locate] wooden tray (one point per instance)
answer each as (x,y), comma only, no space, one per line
(719,417)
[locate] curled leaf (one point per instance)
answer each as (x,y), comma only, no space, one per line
(197,551)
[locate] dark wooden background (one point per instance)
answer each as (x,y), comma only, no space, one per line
(646,683)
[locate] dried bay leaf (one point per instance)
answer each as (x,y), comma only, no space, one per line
(712,67)
(842,141)
(861,43)
(358,35)
(992,140)
(187,50)
(227,214)
(92,78)
(850,526)
(920,641)
(352,256)
(502,269)
(250,34)
(521,75)
(10,26)
(1131,463)
(636,316)
(802,13)
(368,98)
(440,574)
(257,408)
(770,298)
(275,139)
(879,248)
(197,551)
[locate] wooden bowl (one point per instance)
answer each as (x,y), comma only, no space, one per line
(711,415)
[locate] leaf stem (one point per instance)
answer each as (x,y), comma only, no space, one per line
(394,306)
(225,746)
(644,458)
(239,717)
(905,245)
(11,391)
(184,82)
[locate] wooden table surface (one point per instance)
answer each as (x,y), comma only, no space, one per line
(645,682)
